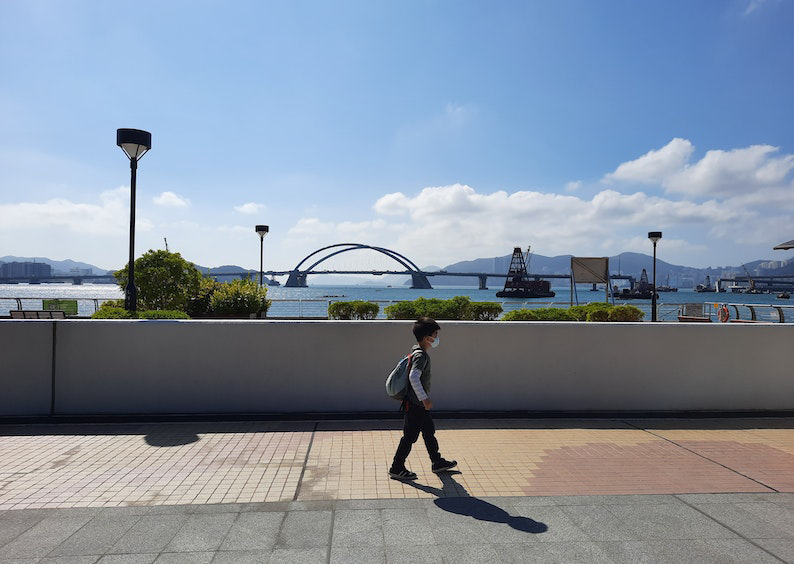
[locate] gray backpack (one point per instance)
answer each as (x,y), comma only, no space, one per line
(397,380)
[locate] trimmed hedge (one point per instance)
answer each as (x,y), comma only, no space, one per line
(356,309)
(459,308)
(115,312)
(595,312)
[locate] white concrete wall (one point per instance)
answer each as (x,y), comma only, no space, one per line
(132,367)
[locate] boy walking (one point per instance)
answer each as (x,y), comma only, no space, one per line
(417,404)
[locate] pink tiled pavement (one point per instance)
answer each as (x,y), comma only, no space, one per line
(47,466)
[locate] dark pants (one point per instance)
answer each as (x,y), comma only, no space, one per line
(416,420)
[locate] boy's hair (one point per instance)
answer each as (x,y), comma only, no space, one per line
(424,327)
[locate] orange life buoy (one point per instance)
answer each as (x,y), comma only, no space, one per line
(723,314)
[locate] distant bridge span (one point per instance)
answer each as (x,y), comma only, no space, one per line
(297,277)
(419,277)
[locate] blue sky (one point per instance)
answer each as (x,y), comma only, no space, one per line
(445,130)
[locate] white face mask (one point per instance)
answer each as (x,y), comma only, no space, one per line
(435,343)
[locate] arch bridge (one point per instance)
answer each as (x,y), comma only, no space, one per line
(297,276)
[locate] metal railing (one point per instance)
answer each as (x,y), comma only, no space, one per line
(317,308)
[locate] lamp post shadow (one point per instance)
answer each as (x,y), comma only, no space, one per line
(454,498)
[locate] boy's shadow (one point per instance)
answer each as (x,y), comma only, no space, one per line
(465,504)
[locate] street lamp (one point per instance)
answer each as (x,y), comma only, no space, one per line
(654,236)
(262,230)
(134,143)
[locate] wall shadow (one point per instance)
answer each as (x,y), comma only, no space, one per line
(454,498)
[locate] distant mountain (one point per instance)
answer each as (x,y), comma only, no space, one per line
(58,266)
(630,264)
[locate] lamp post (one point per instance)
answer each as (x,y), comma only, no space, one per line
(654,236)
(135,143)
(262,231)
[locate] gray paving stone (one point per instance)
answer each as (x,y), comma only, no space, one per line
(242,557)
(253,531)
(357,527)
(202,533)
(305,529)
(299,556)
(11,525)
(406,527)
(469,553)
(128,559)
(511,553)
(598,523)
(559,527)
(575,553)
(742,518)
(782,548)
(634,499)
(150,534)
(42,538)
(510,526)
(69,559)
(417,554)
(702,551)
(669,521)
(171,509)
(696,499)
(450,528)
(358,554)
(185,558)
(97,536)
(775,514)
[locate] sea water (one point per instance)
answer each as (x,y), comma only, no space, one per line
(313,301)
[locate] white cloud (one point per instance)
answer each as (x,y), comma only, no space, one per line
(459,223)
(171,200)
(738,173)
(654,166)
(249,208)
(729,173)
(105,218)
(573,186)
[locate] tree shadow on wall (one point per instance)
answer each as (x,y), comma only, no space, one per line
(454,498)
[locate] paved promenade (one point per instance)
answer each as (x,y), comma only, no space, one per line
(554,490)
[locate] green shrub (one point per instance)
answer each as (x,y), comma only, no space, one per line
(599,315)
(626,313)
(484,311)
(520,315)
(110,310)
(164,280)
(239,297)
(162,314)
(540,314)
(114,312)
(582,312)
(459,308)
(199,305)
(356,309)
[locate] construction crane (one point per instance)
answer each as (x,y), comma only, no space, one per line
(751,289)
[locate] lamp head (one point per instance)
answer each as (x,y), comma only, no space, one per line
(134,142)
(654,236)
(262,230)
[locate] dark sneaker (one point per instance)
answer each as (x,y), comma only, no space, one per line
(444,465)
(403,474)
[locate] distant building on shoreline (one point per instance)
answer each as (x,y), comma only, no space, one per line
(25,270)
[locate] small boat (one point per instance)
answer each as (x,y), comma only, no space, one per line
(706,286)
(666,286)
(783,295)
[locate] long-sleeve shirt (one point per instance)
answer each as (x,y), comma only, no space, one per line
(419,376)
